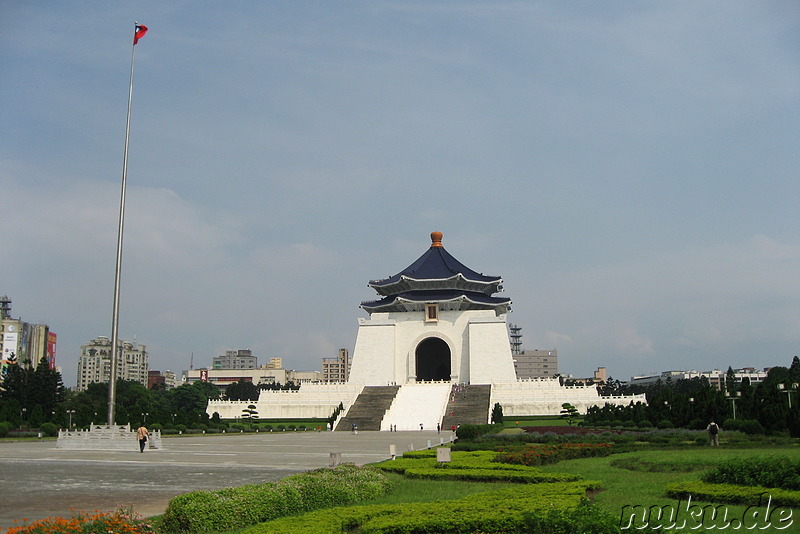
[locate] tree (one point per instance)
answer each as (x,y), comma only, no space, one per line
(497,414)
(243,390)
(570,413)
(37,391)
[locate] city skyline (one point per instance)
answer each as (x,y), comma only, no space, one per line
(629,170)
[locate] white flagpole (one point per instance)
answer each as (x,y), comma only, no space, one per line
(112,382)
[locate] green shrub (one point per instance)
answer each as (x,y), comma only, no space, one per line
(5,428)
(665,423)
(774,472)
(468,432)
(49,429)
(232,508)
(511,510)
(748,426)
(533,455)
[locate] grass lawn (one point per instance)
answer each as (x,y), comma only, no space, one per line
(415,490)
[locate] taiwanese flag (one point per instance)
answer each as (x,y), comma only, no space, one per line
(141,29)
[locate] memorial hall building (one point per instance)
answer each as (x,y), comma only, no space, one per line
(434,350)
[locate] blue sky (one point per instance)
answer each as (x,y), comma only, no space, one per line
(629,169)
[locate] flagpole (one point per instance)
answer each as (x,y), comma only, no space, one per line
(112,382)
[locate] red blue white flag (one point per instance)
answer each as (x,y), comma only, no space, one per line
(141,29)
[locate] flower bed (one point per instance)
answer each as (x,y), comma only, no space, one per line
(83,522)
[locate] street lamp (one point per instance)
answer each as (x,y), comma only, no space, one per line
(70,412)
(144,417)
(788,392)
(733,398)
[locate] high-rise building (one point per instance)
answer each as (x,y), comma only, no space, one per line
(94,363)
(235,359)
(336,369)
(23,343)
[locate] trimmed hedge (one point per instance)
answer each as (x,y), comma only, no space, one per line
(731,493)
(551,508)
(477,466)
(232,508)
(774,471)
(469,432)
(489,475)
(544,454)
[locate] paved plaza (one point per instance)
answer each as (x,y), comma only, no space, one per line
(37,480)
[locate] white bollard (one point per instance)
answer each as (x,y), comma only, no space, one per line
(393,451)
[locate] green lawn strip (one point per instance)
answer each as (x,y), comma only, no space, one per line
(497,511)
(731,493)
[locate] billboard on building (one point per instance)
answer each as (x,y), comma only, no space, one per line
(51,350)
(10,349)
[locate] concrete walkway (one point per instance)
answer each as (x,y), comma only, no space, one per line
(37,480)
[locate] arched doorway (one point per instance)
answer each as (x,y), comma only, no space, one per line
(433,360)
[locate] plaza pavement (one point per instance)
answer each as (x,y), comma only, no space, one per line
(37,480)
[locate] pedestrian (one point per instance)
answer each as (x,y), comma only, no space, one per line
(141,435)
(438,427)
(713,433)
(420,427)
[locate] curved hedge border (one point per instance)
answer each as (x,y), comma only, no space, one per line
(731,493)
(231,508)
(490,475)
(551,508)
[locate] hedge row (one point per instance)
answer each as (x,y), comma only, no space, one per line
(551,508)
(543,454)
(731,493)
(231,508)
(490,475)
(774,472)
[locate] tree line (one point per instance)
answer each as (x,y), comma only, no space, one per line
(31,397)
(772,405)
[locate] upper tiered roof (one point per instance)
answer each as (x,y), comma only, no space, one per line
(437,277)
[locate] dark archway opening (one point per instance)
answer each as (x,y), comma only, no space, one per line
(433,360)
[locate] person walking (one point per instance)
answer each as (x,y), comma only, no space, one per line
(141,435)
(713,434)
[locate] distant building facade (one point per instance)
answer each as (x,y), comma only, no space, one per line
(271,373)
(23,343)
(536,363)
(235,359)
(94,362)
(161,379)
(336,369)
(715,377)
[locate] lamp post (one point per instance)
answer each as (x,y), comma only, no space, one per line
(70,412)
(733,398)
(144,417)
(788,392)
